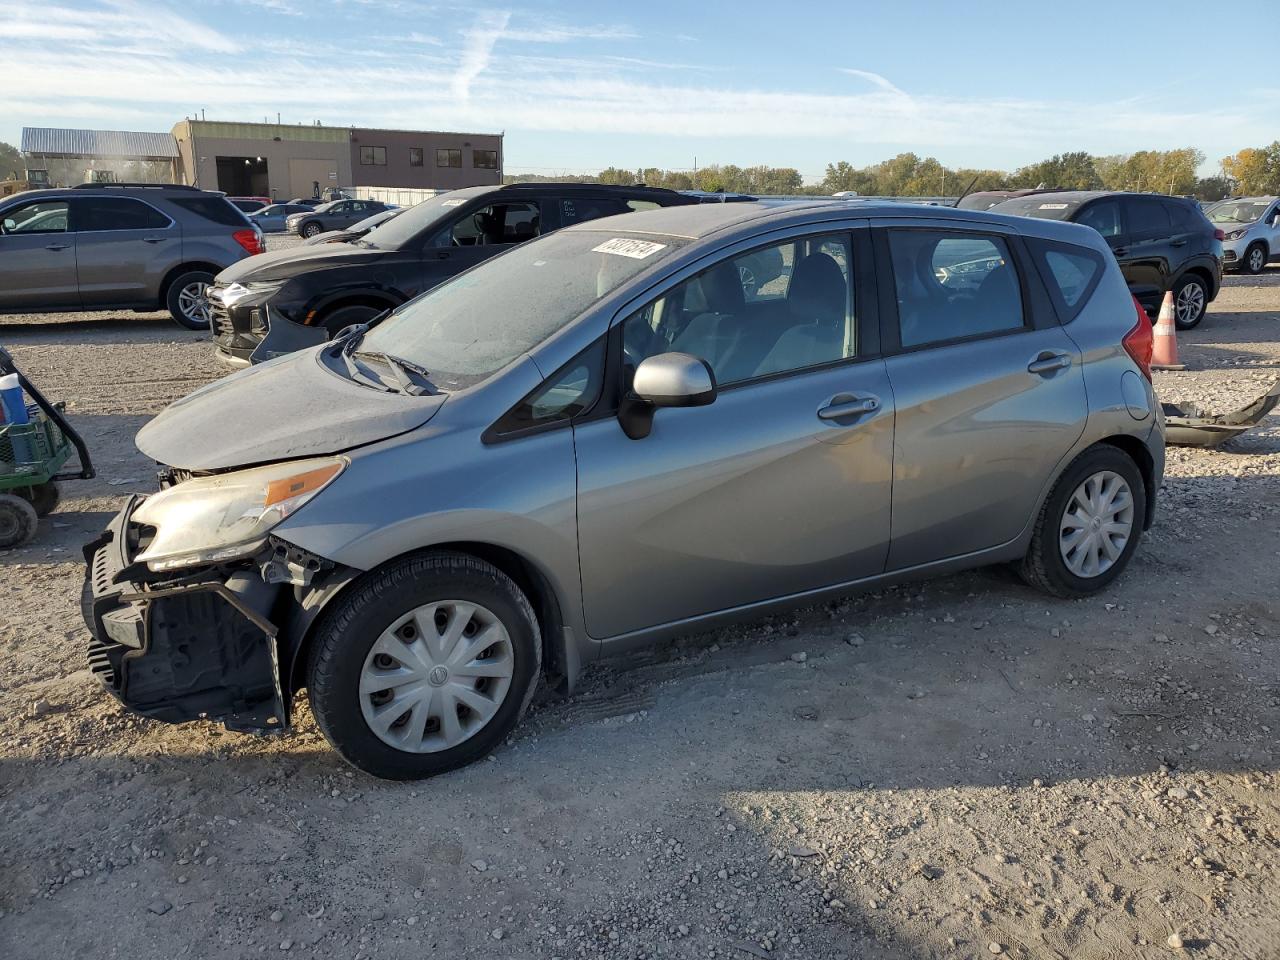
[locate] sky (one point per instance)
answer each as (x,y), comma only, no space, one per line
(579,86)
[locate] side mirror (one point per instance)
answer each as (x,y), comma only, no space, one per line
(665,380)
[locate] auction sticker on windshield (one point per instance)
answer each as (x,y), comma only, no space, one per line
(454,202)
(1053,206)
(635,249)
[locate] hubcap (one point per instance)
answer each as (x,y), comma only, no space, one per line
(192,302)
(1255,259)
(1096,524)
(436,676)
(1190,302)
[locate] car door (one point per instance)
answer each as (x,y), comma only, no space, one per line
(124,247)
(779,486)
(988,389)
(1147,259)
(37,257)
(477,234)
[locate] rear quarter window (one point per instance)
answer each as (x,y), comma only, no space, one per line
(214,209)
(1070,273)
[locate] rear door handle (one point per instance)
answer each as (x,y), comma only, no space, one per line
(1049,362)
(1120,251)
(57,246)
(1178,243)
(154,239)
(849,408)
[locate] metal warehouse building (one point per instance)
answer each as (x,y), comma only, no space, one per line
(282,160)
(86,156)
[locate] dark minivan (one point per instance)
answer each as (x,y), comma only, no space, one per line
(1163,243)
(290,299)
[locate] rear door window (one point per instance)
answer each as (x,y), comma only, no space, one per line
(581,209)
(117,213)
(1146,218)
(1103,216)
(953,285)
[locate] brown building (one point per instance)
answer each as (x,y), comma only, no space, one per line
(296,160)
(424,160)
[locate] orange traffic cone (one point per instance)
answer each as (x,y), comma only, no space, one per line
(1164,354)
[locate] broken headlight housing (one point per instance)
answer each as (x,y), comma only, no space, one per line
(228,515)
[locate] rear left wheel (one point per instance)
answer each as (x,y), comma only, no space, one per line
(1190,301)
(426,666)
(18,521)
(186,301)
(1089,526)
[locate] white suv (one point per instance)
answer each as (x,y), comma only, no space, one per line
(1252,231)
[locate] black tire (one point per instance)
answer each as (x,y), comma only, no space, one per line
(44,497)
(311,229)
(1044,567)
(1184,287)
(346,633)
(18,521)
(344,317)
(1254,260)
(174,299)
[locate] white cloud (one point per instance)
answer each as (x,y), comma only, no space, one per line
(874,78)
(480,40)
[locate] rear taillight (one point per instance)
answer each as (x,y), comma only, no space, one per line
(1140,341)
(251,240)
(1219,235)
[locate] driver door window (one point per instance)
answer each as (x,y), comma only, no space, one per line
(495,225)
(49,216)
(772,310)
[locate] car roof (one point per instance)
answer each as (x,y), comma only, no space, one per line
(697,221)
(114,190)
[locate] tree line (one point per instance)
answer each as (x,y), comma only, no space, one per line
(1250,171)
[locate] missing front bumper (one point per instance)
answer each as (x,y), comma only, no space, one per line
(202,647)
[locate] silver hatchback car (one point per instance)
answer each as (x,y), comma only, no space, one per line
(628,429)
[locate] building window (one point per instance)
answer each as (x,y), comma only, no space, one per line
(373,156)
(448,158)
(485,159)
(415,156)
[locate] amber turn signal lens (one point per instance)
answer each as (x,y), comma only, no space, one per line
(289,487)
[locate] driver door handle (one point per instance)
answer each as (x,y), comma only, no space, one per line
(57,246)
(1049,363)
(849,408)
(154,239)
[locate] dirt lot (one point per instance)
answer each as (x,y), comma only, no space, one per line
(960,768)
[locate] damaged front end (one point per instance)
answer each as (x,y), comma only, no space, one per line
(214,641)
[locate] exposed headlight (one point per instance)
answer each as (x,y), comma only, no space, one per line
(258,291)
(1236,234)
(210,519)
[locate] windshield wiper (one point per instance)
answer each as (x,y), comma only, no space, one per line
(404,370)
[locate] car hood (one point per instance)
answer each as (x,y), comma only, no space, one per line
(287,264)
(281,410)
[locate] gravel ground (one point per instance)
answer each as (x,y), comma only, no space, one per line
(960,768)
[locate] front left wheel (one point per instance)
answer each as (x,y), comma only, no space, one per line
(312,229)
(424,666)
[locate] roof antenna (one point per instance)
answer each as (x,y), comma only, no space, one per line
(966,190)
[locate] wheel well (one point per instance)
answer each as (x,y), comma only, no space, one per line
(355,300)
(534,585)
(1204,275)
(1261,242)
(182,268)
(1140,455)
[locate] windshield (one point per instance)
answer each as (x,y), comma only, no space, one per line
(1238,211)
(413,220)
(474,325)
(368,223)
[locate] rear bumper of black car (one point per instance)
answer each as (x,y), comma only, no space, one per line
(199,646)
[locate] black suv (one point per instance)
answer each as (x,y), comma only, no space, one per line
(1163,243)
(305,295)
